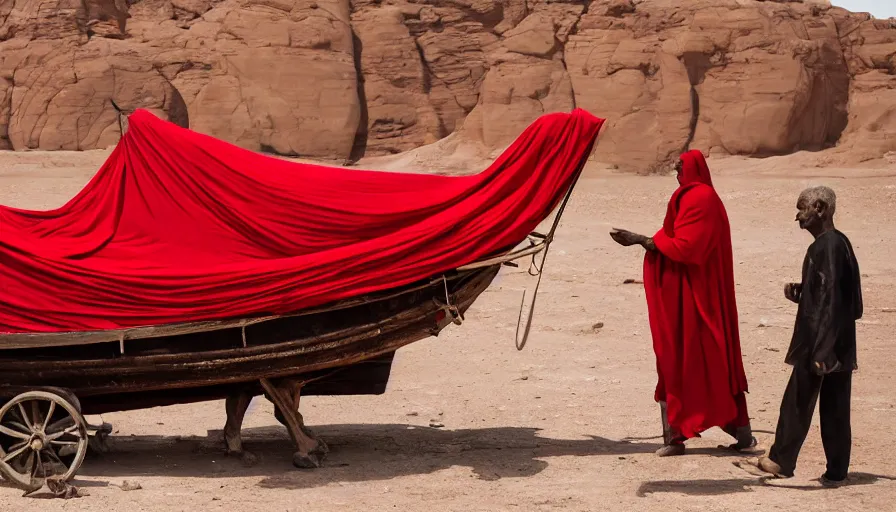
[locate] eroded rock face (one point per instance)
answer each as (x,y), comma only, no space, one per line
(395,86)
(348,78)
(870,51)
(527,76)
(755,78)
(266,74)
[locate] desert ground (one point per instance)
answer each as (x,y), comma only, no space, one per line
(569,423)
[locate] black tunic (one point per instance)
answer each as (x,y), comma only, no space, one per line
(830,304)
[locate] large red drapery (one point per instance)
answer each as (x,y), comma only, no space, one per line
(689,283)
(177,226)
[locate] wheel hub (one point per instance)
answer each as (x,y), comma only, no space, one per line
(38,442)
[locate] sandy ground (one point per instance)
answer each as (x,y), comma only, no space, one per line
(567,424)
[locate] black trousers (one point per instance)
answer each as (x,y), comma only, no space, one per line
(803,391)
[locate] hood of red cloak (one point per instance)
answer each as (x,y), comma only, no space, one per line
(694,169)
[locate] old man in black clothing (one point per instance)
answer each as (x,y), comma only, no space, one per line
(823,349)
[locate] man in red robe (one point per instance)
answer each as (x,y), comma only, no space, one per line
(689,282)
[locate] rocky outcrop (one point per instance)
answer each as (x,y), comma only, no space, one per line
(527,74)
(266,74)
(347,78)
(725,76)
(870,52)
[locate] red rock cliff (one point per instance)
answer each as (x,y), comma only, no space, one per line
(341,79)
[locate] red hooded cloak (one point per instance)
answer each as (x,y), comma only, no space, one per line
(689,283)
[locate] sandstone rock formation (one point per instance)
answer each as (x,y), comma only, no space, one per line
(346,78)
(870,52)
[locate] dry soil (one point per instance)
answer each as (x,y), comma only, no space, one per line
(569,423)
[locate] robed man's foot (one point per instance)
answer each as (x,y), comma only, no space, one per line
(671,450)
(742,445)
(744,436)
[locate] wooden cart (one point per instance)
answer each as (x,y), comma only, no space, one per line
(48,382)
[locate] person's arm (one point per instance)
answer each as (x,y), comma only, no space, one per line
(697,227)
(828,274)
(857,276)
(627,238)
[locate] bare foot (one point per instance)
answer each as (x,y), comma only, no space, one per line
(769,466)
(670,450)
(762,466)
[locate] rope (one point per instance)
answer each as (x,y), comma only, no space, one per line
(456,316)
(534,248)
(521,342)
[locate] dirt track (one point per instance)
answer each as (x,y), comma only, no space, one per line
(569,423)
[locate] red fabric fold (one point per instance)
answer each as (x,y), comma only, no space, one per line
(177,226)
(689,282)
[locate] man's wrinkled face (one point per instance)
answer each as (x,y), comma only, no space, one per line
(808,214)
(678,166)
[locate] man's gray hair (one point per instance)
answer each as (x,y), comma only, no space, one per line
(823,194)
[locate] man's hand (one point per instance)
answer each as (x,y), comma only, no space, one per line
(822,369)
(627,238)
(793,292)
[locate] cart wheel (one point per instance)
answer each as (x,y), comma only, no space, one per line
(43,438)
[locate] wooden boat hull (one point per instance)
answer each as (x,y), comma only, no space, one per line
(346,350)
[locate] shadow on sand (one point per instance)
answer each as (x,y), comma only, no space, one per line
(736,485)
(358,453)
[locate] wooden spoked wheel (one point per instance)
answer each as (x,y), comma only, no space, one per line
(43,439)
